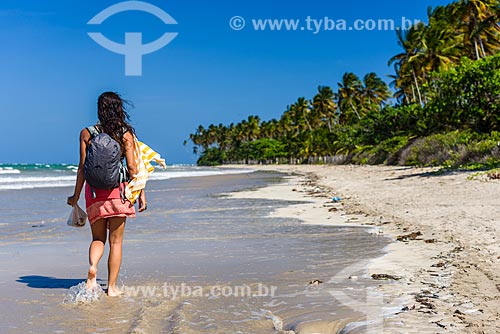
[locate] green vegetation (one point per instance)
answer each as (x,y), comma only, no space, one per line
(445,109)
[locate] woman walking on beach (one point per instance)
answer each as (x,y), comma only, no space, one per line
(107,209)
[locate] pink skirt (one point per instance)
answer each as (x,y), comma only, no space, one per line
(106,204)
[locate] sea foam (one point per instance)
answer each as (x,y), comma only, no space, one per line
(79,294)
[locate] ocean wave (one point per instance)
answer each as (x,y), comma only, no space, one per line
(35,179)
(7,170)
(36,185)
(52,180)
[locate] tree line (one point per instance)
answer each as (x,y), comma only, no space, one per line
(446,78)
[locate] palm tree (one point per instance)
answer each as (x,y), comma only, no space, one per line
(199,139)
(403,86)
(349,98)
(211,134)
(324,107)
(375,92)
(479,25)
(286,124)
(303,111)
(238,133)
(442,45)
(299,115)
(222,137)
(407,64)
(466,27)
(253,127)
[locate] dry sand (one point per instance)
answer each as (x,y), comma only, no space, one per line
(448,250)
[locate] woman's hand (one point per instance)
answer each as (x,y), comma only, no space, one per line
(72,200)
(142,201)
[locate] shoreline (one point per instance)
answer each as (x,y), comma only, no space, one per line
(444,260)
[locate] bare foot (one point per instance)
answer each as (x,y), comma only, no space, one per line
(114,292)
(92,277)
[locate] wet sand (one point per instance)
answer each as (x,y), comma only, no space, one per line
(444,229)
(194,234)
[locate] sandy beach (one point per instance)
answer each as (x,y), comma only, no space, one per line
(200,260)
(441,273)
(348,249)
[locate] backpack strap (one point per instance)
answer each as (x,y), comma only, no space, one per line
(124,177)
(93,130)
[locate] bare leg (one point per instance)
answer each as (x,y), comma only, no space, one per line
(96,250)
(116,228)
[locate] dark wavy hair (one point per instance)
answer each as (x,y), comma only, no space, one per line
(113,117)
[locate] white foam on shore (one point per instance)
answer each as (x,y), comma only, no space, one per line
(277,322)
(79,294)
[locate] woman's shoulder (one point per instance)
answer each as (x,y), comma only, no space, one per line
(128,136)
(86,133)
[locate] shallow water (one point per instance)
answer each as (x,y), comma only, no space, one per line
(195,262)
(81,294)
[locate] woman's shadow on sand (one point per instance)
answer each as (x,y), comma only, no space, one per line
(45,282)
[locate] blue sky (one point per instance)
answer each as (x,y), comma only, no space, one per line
(52,72)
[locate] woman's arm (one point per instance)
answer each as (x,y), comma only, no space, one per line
(128,140)
(132,166)
(80,178)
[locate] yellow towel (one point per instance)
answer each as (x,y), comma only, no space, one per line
(143,155)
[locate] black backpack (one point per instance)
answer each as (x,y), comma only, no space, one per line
(103,167)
